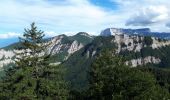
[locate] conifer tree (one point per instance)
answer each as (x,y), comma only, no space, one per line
(111,79)
(33,77)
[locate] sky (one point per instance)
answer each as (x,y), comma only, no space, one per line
(68,17)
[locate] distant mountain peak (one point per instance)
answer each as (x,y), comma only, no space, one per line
(118,31)
(139,32)
(83,33)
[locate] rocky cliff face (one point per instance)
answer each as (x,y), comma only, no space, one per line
(139,32)
(118,31)
(75,46)
(143,61)
(135,40)
(6,57)
(126,40)
(130,43)
(57,45)
(139,50)
(136,44)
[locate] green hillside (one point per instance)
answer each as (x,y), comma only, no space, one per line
(78,64)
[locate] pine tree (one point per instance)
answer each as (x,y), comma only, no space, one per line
(111,79)
(33,77)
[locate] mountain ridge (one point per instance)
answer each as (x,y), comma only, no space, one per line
(63,46)
(77,52)
(140,31)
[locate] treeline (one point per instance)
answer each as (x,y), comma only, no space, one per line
(34,78)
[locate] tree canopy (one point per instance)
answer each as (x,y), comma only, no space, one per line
(110,79)
(33,77)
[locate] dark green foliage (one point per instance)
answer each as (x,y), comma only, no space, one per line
(77,67)
(66,40)
(161,75)
(123,45)
(135,41)
(148,40)
(110,79)
(82,37)
(33,78)
(58,57)
(146,52)
(129,44)
(5,69)
(162,53)
(103,43)
(79,63)
(3,58)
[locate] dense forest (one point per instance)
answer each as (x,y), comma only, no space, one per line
(107,77)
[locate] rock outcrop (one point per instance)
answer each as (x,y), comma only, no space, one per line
(143,61)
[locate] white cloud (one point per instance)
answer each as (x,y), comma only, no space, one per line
(52,33)
(9,35)
(149,15)
(145,13)
(71,16)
